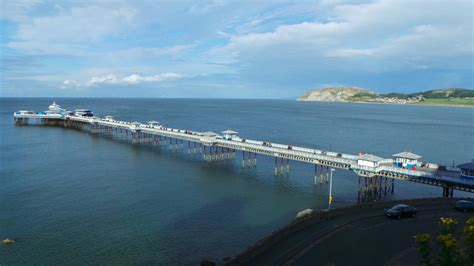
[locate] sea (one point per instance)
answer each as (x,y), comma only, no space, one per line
(71,198)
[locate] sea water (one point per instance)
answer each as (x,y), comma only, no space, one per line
(68,197)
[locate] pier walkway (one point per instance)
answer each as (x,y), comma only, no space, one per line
(376,174)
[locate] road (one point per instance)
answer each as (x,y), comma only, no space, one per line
(352,236)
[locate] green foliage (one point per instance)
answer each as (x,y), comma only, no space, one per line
(423,246)
(365,95)
(448,255)
(463,93)
(449,101)
(451,251)
(447,225)
(395,95)
(362,96)
(469,239)
(434,94)
(445,93)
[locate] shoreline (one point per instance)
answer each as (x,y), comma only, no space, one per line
(410,104)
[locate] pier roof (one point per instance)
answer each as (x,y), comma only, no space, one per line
(467,166)
(370,158)
(209,134)
(230,132)
(407,155)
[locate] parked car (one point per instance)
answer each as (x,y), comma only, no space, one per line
(464,206)
(400,211)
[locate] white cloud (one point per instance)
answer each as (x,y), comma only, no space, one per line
(205,6)
(148,52)
(69,84)
(132,79)
(17,10)
(350,52)
(135,78)
(71,31)
(381,30)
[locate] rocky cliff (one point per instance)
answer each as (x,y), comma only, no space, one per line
(337,94)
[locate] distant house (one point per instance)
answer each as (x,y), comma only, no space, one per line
(467,169)
(229,134)
(369,160)
(406,159)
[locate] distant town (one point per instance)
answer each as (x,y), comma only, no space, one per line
(387,99)
(450,96)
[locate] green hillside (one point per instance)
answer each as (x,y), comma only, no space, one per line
(449,96)
(448,101)
(445,93)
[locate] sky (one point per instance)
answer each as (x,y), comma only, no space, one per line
(232,49)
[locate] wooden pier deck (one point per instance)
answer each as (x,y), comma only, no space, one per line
(213,147)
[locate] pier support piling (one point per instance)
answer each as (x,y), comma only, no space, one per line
(276,166)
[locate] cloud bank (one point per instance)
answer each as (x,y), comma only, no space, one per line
(132,79)
(276,48)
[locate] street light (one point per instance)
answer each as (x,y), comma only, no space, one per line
(330,189)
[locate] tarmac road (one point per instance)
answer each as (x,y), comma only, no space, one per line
(353,236)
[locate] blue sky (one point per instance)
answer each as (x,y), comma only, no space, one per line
(232,49)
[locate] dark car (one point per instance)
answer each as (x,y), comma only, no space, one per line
(464,206)
(400,211)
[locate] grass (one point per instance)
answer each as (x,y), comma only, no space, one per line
(449,101)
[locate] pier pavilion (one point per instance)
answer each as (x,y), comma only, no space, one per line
(229,134)
(369,160)
(406,159)
(467,170)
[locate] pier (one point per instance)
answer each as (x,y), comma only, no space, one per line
(376,175)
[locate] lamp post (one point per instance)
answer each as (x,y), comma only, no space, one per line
(330,189)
